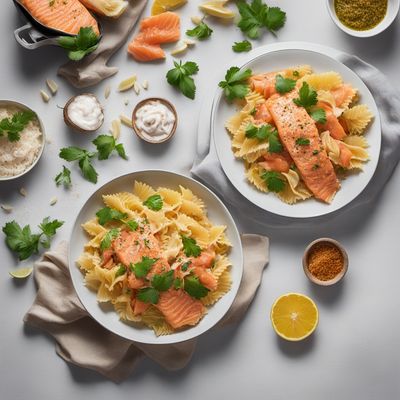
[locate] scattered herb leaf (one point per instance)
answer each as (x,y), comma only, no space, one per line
(235,83)
(108,238)
(121,271)
(190,246)
(302,141)
(180,77)
(307,97)
(79,46)
(318,115)
(148,295)
(142,268)
(163,282)
(194,288)
(201,31)
(284,85)
(240,47)
(108,214)
(154,202)
(274,180)
(64,177)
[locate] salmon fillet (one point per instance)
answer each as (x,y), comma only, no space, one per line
(155,30)
(179,309)
(64,15)
(293,122)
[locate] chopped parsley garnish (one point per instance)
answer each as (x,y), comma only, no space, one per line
(64,177)
(194,288)
(163,282)
(108,214)
(148,295)
(318,115)
(14,125)
(274,180)
(142,268)
(201,31)
(308,98)
(180,77)
(240,47)
(315,166)
(296,74)
(253,111)
(121,271)
(177,283)
(190,247)
(108,238)
(315,152)
(132,225)
(284,85)
(154,202)
(185,266)
(265,132)
(79,46)
(235,83)
(302,141)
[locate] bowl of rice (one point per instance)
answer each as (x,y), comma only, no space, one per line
(22,139)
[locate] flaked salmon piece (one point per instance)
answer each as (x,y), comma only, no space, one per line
(180,309)
(345,155)
(204,260)
(106,256)
(264,83)
(206,278)
(133,282)
(343,94)
(279,162)
(314,166)
(64,15)
(138,306)
(332,123)
(262,114)
(155,30)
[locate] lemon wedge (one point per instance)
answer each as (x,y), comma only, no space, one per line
(217,8)
(294,316)
(160,6)
(21,273)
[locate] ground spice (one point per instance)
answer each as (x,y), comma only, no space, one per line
(325,261)
(361,15)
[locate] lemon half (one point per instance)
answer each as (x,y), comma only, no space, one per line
(160,6)
(294,316)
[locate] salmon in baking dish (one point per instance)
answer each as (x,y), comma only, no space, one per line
(293,123)
(67,16)
(156,30)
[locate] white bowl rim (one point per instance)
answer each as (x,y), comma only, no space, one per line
(234,290)
(24,106)
(376,30)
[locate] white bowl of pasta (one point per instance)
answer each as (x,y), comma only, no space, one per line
(149,243)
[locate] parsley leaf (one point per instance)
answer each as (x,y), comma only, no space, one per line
(190,247)
(14,125)
(180,77)
(274,180)
(23,242)
(108,214)
(133,225)
(79,46)
(264,132)
(177,283)
(142,268)
(284,85)
(64,177)
(194,288)
(121,271)
(307,97)
(201,31)
(88,170)
(154,202)
(243,46)
(84,157)
(163,282)
(257,15)
(148,295)
(108,238)
(318,115)
(275,145)
(105,145)
(235,83)
(302,141)
(185,266)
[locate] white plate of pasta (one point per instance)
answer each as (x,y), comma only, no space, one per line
(155,257)
(306,139)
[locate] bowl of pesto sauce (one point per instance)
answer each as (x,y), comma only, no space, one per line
(363,18)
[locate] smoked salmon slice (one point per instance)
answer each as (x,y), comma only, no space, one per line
(67,16)
(179,309)
(293,123)
(332,123)
(279,162)
(155,30)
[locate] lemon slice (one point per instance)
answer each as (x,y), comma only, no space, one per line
(21,273)
(217,8)
(294,316)
(160,6)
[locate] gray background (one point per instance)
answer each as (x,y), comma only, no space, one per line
(354,354)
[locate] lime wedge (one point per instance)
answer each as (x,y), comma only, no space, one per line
(21,273)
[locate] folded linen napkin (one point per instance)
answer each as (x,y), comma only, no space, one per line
(207,168)
(82,341)
(93,68)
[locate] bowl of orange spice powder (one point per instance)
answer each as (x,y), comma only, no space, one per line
(325,261)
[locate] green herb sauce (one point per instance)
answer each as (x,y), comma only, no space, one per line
(361,15)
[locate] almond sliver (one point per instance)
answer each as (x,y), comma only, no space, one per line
(127,84)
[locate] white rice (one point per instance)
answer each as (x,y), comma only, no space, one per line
(17,157)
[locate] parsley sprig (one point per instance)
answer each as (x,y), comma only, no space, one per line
(14,125)
(154,202)
(201,31)
(308,98)
(235,83)
(25,243)
(190,246)
(284,85)
(64,177)
(79,46)
(257,15)
(240,47)
(105,145)
(265,132)
(181,77)
(274,180)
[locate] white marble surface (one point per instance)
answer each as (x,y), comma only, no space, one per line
(354,353)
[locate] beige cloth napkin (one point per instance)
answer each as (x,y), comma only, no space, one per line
(93,68)
(82,341)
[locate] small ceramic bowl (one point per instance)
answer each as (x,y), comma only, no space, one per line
(139,132)
(392,11)
(338,277)
(8,103)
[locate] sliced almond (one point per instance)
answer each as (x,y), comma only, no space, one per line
(6,207)
(52,85)
(189,42)
(107,92)
(127,84)
(45,96)
(145,84)
(180,48)
(136,88)
(53,201)
(196,19)
(23,192)
(126,121)
(116,128)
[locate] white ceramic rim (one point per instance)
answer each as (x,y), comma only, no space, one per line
(25,107)
(180,336)
(391,14)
